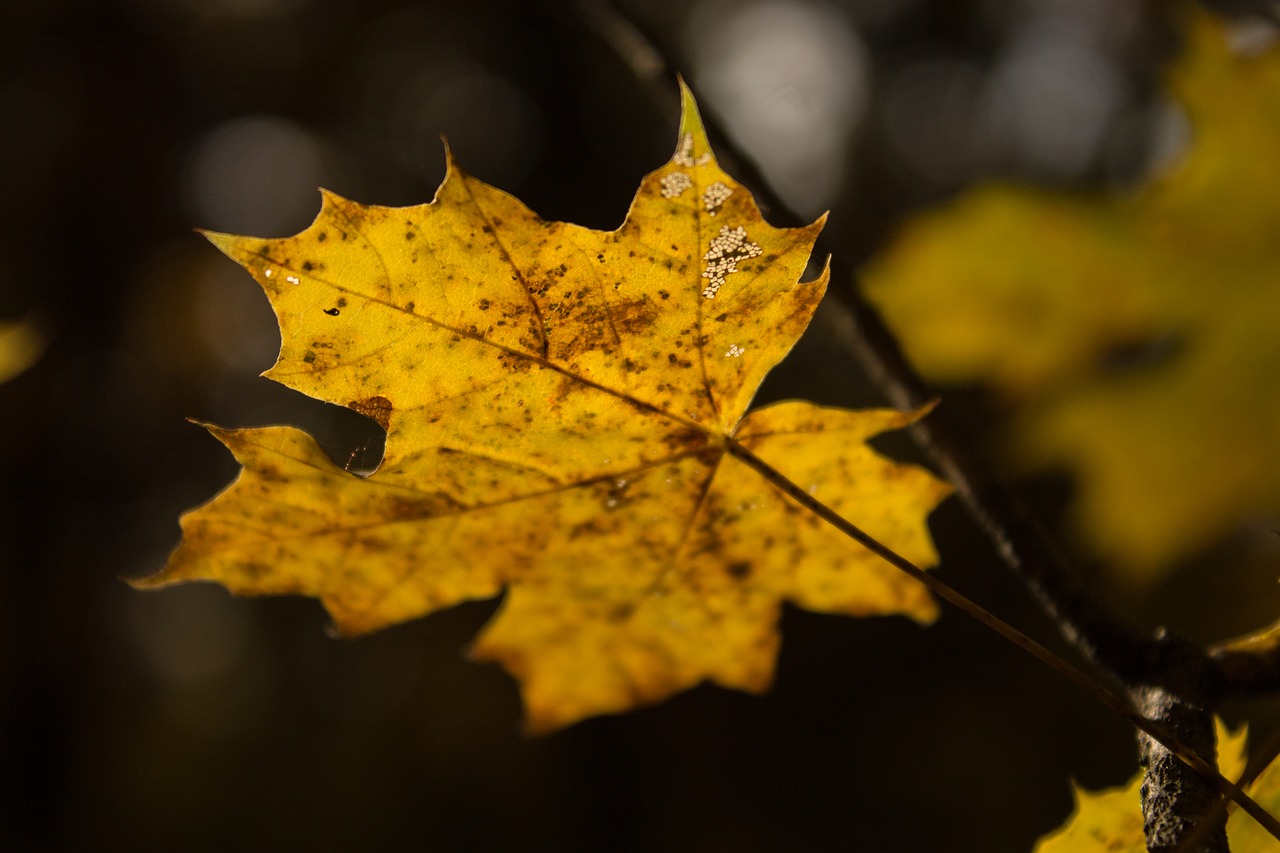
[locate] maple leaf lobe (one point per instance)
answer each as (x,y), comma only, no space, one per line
(558,403)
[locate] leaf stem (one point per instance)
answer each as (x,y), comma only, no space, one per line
(949,594)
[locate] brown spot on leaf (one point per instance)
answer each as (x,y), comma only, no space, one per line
(620,612)
(402,508)
(598,326)
(684,439)
(377,408)
(255,570)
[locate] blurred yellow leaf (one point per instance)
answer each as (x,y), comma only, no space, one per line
(1111,820)
(558,404)
(21,345)
(1138,336)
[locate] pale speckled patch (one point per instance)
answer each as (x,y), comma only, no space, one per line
(684,153)
(674,184)
(727,248)
(714,197)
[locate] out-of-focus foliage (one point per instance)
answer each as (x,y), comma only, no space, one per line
(21,345)
(559,404)
(1137,335)
(1111,820)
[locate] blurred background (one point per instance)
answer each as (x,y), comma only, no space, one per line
(184,719)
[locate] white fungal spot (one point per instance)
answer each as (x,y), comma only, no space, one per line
(292,279)
(715,196)
(674,184)
(268,272)
(684,153)
(735,351)
(611,502)
(722,258)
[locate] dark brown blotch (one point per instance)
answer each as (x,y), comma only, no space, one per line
(685,439)
(601,327)
(620,612)
(376,408)
(404,509)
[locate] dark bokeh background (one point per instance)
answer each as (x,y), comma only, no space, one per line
(185,719)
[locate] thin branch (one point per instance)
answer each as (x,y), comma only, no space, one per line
(1261,759)
(1166,743)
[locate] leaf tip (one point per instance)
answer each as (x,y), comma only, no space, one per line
(823,278)
(330,200)
(225,243)
(692,147)
(156,580)
(449,161)
(223,434)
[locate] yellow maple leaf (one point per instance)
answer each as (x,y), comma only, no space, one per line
(1111,820)
(559,403)
(1037,292)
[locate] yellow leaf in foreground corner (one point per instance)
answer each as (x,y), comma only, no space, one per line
(1139,335)
(1111,820)
(1244,833)
(558,404)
